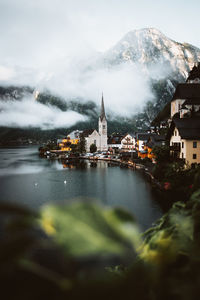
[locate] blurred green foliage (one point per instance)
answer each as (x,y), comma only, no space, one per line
(182,180)
(83,251)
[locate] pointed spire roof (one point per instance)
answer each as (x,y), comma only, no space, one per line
(102,115)
(194,73)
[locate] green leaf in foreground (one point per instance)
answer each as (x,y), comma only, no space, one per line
(83,229)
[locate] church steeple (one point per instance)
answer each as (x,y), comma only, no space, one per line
(102,115)
(103,128)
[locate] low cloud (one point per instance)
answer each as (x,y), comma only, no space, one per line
(50,45)
(30,113)
(125,87)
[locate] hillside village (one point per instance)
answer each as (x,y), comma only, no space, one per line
(177,126)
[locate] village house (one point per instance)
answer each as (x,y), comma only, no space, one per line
(121,142)
(184,132)
(128,142)
(185,100)
(72,138)
(184,136)
(141,140)
(74,135)
(114,143)
(182,114)
(65,144)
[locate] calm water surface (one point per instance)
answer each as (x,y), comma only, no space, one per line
(29,180)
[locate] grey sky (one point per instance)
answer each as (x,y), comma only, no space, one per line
(33,32)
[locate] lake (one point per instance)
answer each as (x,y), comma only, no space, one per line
(33,181)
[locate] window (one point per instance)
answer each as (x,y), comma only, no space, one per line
(194,156)
(104,126)
(182,155)
(175,132)
(182,144)
(95,142)
(194,144)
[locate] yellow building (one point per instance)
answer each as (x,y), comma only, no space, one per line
(184,138)
(141,139)
(65,144)
(72,139)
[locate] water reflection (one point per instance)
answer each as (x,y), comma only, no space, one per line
(32,181)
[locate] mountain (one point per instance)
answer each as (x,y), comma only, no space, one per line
(162,61)
(150,48)
(14,92)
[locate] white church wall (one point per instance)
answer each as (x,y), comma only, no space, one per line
(93,138)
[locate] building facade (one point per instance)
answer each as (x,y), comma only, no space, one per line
(185,139)
(128,142)
(184,132)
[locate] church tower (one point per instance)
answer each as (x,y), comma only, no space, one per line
(103,128)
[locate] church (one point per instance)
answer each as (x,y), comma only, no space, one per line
(99,138)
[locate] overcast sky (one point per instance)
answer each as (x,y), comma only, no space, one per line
(33,32)
(42,39)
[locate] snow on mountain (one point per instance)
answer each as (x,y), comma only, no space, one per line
(149,47)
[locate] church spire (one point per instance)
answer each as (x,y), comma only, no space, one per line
(103,115)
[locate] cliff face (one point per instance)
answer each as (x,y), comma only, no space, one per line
(149,47)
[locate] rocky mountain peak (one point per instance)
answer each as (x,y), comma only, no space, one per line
(148,47)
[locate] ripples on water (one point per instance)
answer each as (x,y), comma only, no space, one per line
(32,181)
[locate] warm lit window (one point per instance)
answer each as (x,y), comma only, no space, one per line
(194,156)
(194,144)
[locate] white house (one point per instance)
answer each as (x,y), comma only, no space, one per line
(128,142)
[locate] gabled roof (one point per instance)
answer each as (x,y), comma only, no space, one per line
(187,91)
(191,101)
(87,132)
(94,133)
(115,139)
(143,136)
(189,128)
(163,115)
(155,140)
(194,73)
(75,134)
(131,134)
